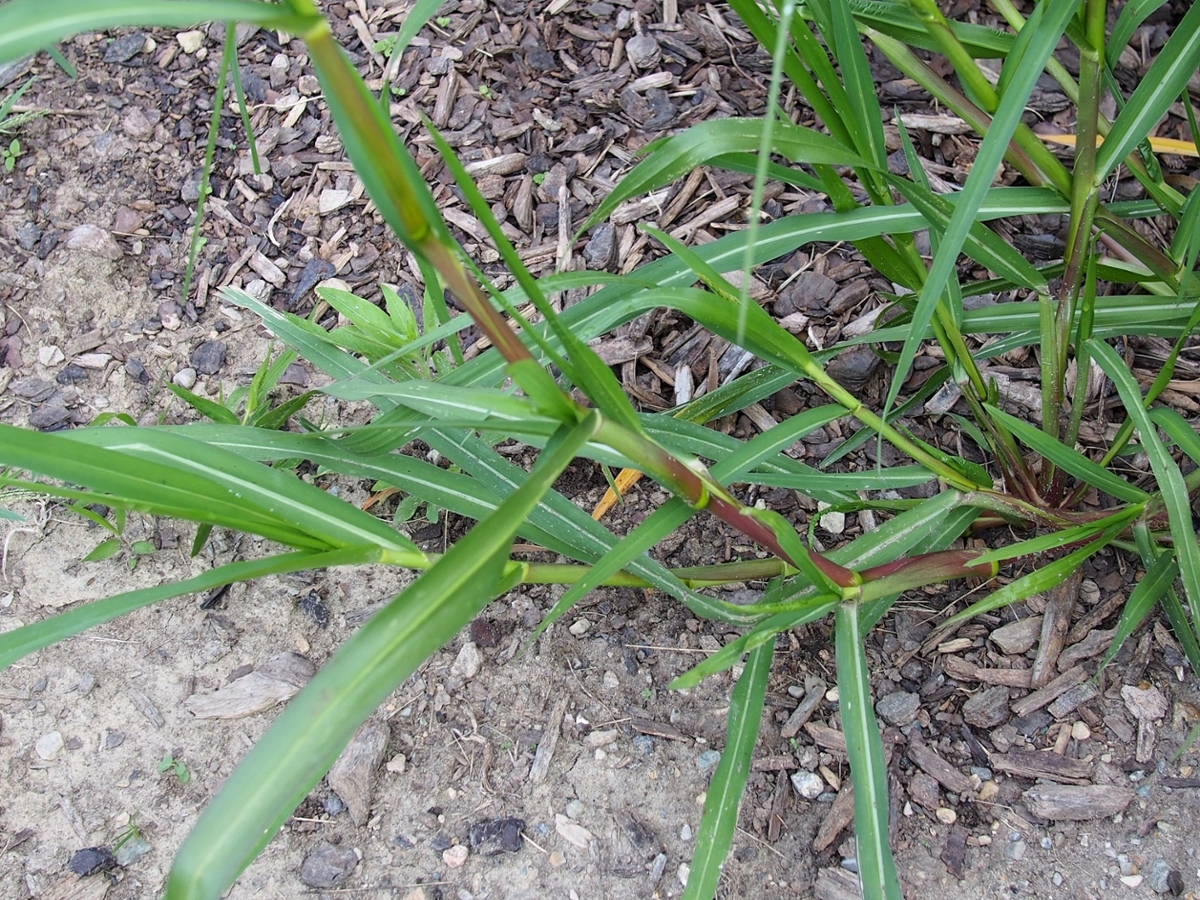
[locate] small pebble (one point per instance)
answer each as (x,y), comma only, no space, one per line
(455,856)
(1131,881)
(1046,843)
(1057,878)
(328,866)
(685,833)
(850,864)
(132,850)
(575,809)
(557,858)
(683,872)
(1158,876)
(946,815)
(807,784)
(185,378)
(899,708)
(190,41)
(50,355)
(1080,731)
(48,746)
(708,760)
(580,627)
(1015,850)
(468,662)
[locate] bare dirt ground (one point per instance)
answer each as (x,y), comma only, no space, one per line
(567,771)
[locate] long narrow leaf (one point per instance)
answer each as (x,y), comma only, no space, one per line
(304,742)
(724,796)
(864,748)
(1166,471)
(30,638)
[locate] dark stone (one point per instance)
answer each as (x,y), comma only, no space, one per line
(898,708)
(853,368)
(208,358)
(328,866)
(46,244)
(135,370)
(125,48)
(91,860)
(599,252)
(255,87)
(295,374)
(334,805)
(808,293)
(314,607)
(71,374)
(483,633)
(315,271)
(113,739)
(662,110)
(50,414)
(494,836)
(441,842)
(28,235)
(542,61)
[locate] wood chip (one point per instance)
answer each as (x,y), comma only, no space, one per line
(504,164)
(1056,622)
(988,708)
(963,670)
(841,814)
(1018,637)
(1039,764)
(927,759)
(814,693)
(545,751)
(1069,701)
(829,738)
(1052,691)
(615,351)
(1095,643)
(658,729)
(275,681)
(1077,802)
(353,775)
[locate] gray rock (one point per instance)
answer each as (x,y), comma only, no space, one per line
(494,836)
(898,708)
(139,123)
(50,414)
(328,866)
(125,48)
(707,761)
(662,110)
(1158,875)
(809,293)
(643,51)
(28,236)
(190,190)
(208,358)
(353,775)
(1015,850)
(598,253)
(924,790)
(853,368)
(807,784)
(94,240)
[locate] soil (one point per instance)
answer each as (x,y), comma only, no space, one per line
(577,738)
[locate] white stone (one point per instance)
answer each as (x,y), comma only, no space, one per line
(185,378)
(468,662)
(48,746)
(190,41)
(808,784)
(50,355)
(332,199)
(93,360)
(580,627)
